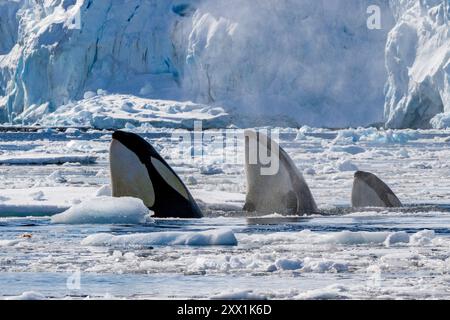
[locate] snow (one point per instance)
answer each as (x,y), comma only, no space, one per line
(239,295)
(205,238)
(104,191)
(422,238)
(109,210)
(347,165)
(332,292)
(287,264)
(396,237)
(23,202)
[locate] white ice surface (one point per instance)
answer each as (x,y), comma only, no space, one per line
(205,238)
(28,159)
(103,209)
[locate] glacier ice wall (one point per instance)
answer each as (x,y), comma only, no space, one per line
(119,46)
(418,64)
(314,61)
(294,61)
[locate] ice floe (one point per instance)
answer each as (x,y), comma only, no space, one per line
(109,210)
(41,159)
(203,238)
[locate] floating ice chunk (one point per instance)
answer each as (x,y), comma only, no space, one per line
(204,238)
(272,268)
(57,176)
(89,94)
(360,237)
(348,149)
(108,210)
(101,92)
(102,173)
(73,132)
(390,136)
(3,199)
(420,165)
(422,238)
(321,266)
(191,180)
(146,89)
(441,120)
(347,165)
(328,170)
(38,196)
(104,191)
(305,129)
(10,242)
(288,264)
(396,237)
(300,136)
(28,295)
(386,238)
(239,295)
(211,170)
(403,153)
(327,293)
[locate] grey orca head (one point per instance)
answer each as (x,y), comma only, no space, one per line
(370,191)
(137,170)
(284,190)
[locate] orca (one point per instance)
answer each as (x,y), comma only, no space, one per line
(370,191)
(137,170)
(283,190)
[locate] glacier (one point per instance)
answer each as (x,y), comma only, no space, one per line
(418,64)
(266,62)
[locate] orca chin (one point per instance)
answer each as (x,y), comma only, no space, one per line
(137,170)
(370,191)
(274,184)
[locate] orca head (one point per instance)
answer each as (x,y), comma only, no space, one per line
(137,170)
(274,183)
(370,191)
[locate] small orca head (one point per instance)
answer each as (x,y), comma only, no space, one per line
(370,191)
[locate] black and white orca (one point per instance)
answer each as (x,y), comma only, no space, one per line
(283,190)
(370,191)
(137,170)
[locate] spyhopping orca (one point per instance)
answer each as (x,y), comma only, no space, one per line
(137,170)
(283,190)
(370,191)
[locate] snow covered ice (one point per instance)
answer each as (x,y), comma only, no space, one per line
(105,210)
